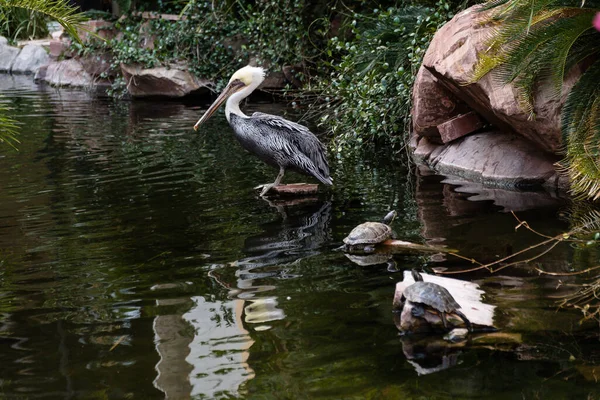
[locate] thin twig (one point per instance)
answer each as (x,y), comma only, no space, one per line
(118,342)
(541,271)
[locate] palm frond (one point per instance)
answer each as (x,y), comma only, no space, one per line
(539,41)
(543,52)
(59,10)
(8,128)
(584,217)
(581,132)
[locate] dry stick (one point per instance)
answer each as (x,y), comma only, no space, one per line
(556,239)
(119,340)
(526,225)
(541,271)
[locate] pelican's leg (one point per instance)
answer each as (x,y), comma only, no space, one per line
(268,187)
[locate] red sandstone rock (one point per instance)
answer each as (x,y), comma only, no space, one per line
(433,105)
(57,47)
(97,64)
(65,73)
(460,126)
(451,58)
(161,81)
(99,27)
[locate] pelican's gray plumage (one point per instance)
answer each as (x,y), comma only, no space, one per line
(273,139)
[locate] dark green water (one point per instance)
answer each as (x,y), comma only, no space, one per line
(137,262)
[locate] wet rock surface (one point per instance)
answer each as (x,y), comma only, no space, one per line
(492,158)
(65,73)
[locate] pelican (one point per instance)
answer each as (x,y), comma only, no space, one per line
(273,139)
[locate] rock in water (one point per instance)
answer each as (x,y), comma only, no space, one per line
(30,59)
(8,54)
(161,81)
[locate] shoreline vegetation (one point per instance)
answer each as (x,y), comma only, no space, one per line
(350,66)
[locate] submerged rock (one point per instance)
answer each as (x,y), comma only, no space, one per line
(492,158)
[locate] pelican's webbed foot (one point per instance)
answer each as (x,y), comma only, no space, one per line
(265,188)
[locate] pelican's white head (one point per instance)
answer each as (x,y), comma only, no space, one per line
(249,75)
(242,83)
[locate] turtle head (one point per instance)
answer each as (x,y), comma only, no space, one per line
(417,310)
(416,275)
(389,217)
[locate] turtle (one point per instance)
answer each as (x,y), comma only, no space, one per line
(432,295)
(365,236)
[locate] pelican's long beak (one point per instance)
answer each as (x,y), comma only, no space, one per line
(231,88)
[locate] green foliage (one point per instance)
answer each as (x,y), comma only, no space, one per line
(216,38)
(539,41)
(581,132)
(8,128)
(369,91)
(57,10)
(19,23)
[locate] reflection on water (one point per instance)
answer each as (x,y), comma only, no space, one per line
(295,237)
(136,261)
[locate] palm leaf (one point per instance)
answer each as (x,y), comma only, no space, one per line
(544,51)
(539,41)
(59,10)
(581,132)
(8,128)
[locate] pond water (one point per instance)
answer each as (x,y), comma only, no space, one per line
(136,261)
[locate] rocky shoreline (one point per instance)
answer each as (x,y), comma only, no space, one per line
(476,130)
(472,130)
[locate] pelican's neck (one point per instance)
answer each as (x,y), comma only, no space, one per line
(233,102)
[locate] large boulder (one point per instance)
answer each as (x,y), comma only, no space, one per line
(8,54)
(450,61)
(161,81)
(65,73)
(30,59)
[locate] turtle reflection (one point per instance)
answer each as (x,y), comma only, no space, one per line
(373,259)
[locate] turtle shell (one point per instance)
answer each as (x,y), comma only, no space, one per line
(431,294)
(368,233)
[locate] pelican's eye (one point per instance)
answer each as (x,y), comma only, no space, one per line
(237,83)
